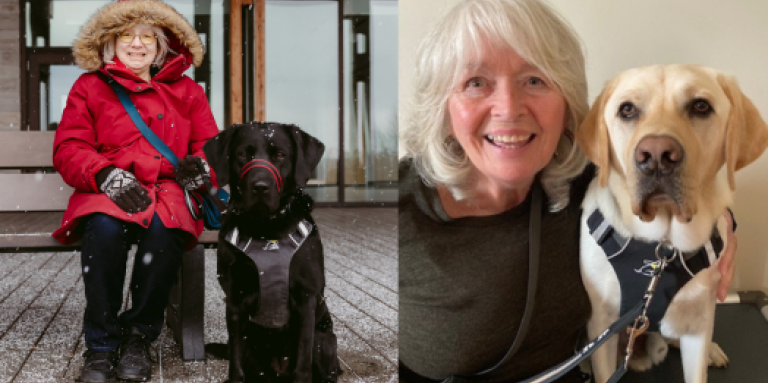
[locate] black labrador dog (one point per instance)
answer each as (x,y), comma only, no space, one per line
(270,258)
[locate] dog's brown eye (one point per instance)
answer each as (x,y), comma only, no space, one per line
(242,155)
(627,110)
(279,156)
(701,108)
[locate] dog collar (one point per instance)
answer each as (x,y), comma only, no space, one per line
(273,259)
(297,202)
(259,163)
(634,262)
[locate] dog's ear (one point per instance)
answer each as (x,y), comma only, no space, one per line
(309,150)
(592,135)
(217,154)
(746,135)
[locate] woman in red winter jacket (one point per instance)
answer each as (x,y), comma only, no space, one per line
(125,191)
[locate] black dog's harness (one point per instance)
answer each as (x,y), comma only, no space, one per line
(634,263)
(273,260)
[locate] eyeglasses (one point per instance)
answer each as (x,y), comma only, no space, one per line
(146,38)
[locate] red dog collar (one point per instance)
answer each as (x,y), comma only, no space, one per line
(259,163)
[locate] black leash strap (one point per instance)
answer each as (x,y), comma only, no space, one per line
(534,247)
(561,369)
(638,318)
(212,194)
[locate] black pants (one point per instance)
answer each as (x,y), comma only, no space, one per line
(106,242)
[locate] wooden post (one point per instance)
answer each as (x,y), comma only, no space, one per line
(261,79)
(236,61)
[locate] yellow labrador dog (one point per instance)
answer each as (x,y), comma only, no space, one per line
(667,141)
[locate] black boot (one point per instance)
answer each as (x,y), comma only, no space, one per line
(98,367)
(135,362)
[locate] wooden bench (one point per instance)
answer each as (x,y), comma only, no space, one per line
(32,202)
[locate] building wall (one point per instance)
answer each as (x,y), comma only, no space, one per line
(10,82)
(617,35)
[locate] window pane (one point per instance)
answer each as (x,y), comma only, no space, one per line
(216,53)
(302,80)
(382,173)
(370,101)
(61,79)
(65,17)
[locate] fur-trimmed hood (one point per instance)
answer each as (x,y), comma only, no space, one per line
(121,15)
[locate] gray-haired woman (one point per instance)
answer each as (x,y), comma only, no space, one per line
(126,192)
(500,89)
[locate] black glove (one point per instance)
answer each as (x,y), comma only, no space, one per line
(192,172)
(123,189)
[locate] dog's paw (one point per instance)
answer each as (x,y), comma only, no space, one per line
(657,347)
(640,363)
(649,350)
(717,357)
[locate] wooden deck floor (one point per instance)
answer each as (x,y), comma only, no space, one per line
(42,303)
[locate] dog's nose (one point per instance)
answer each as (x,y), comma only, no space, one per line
(260,187)
(658,155)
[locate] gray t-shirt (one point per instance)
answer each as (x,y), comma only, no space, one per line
(463,285)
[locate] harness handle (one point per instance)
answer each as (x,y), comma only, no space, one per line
(642,322)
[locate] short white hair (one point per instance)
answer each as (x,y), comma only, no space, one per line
(540,36)
(108,51)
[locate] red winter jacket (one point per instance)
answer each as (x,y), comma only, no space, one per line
(96,131)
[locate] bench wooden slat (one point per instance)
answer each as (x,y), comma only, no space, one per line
(29,223)
(208,237)
(26,149)
(34,192)
(34,243)
(33,229)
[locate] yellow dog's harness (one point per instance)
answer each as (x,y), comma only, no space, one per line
(634,262)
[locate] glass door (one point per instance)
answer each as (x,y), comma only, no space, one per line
(302,79)
(370,101)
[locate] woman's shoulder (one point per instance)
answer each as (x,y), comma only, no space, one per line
(416,195)
(404,167)
(87,83)
(190,86)
(408,178)
(88,79)
(188,82)
(580,183)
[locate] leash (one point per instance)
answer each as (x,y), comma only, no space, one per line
(533,272)
(561,369)
(641,323)
(213,195)
(635,321)
(638,318)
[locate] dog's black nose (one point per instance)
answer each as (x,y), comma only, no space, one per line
(261,187)
(658,155)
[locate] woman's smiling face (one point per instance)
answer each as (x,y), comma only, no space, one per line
(507,116)
(137,55)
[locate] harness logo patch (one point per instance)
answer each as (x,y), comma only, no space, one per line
(271,245)
(649,267)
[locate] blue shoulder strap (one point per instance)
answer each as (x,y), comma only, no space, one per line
(143,128)
(213,208)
